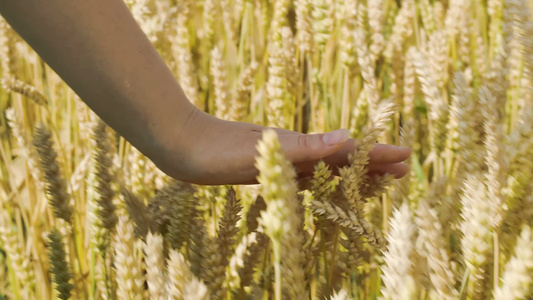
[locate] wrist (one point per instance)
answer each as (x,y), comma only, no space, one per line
(177,137)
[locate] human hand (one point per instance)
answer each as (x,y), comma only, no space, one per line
(214,151)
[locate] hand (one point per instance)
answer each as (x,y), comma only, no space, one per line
(223,152)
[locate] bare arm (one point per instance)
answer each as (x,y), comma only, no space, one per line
(101,53)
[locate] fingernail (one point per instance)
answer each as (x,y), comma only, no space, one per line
(336,137)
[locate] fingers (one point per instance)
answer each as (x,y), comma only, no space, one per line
(380,154)
(306,147)
(397,169)
(305,150)
(388,154)
(312,147)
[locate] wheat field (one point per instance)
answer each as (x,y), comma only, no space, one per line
(84,215)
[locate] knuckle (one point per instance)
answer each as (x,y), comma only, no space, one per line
(303,141)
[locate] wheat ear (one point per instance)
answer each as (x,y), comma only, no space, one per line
(60,268)
(277,176)
(397,272)
(56,187)
(155,266)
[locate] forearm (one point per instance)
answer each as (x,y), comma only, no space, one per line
(101,53)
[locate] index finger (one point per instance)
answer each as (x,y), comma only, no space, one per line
(380,154)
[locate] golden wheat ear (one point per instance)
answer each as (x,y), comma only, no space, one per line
(128,263)
(182,284)
(517,277)
(25,89)
(280,221)
(398,270)
(154,257)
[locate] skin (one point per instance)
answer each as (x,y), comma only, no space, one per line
(99,50)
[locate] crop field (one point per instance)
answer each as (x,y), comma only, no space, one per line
(84,215)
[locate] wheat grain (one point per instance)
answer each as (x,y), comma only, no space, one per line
(103,161)
(397,278)
(244,89)
(494,159)
(477,232)
(350,220)
(354,175)
(56,185)
(228,228)
(183,285)
(155,266)
(7,50)
(129,276)
(403,28)
(254,213)
(221,90)
(184,60)
(17,257)
(376,17)
(432,240)
(59,269)
(517,275)
(322,22)
(321,183)
(303,25)
(181,202)
(25,90)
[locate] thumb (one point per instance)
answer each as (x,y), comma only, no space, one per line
(310,147)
